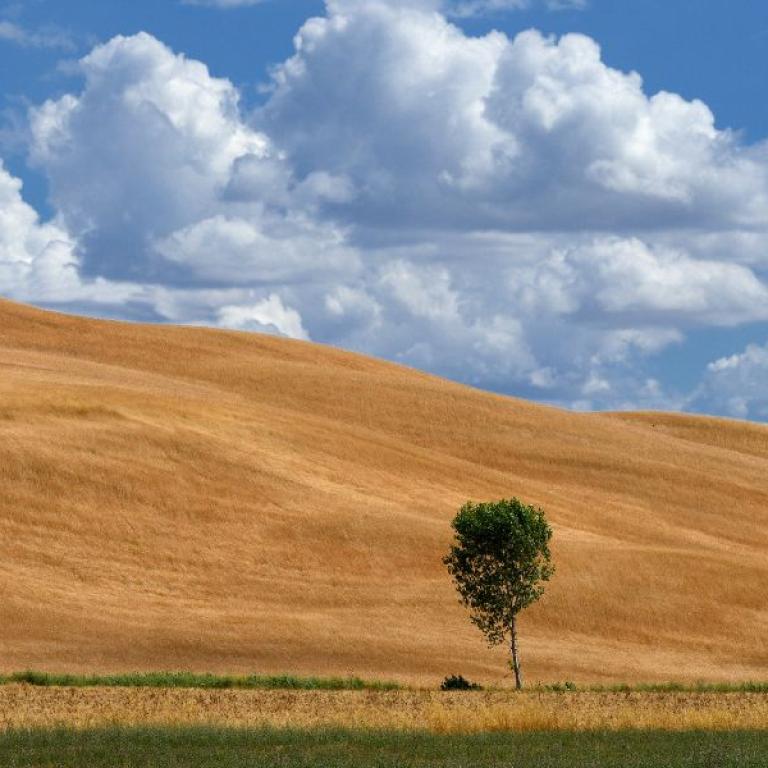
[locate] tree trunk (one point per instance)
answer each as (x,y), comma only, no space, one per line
(515,654)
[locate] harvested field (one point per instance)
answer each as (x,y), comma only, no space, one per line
(184,498)
(446,713)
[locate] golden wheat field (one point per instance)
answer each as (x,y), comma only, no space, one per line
(26,707)
(184,498)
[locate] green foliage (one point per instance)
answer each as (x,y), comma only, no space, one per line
(290,682)
(328,748)
(459,683)
(671,687)
(194,680)
(675,687)
(499,560)
(566,687)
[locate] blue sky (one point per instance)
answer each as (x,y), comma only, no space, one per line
(430,182)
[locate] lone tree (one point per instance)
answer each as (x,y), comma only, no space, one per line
(499,559)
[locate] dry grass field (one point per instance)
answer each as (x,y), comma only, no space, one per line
(23,707)
(183,498)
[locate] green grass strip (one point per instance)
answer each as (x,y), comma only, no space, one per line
(671,687)
(293,682)
(193,680)
(210,748)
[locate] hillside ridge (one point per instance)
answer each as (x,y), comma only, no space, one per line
(186,498)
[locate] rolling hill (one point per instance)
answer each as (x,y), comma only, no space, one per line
(185,498)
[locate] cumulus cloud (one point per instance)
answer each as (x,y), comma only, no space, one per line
(160,180)
(33,255)
(258,250)
(736,385)
(533,132)
(267,316)
(628,279)
(553,317)
(38,261)
(154,171)
(512,213)
(145,149)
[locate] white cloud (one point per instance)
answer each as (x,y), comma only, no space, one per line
(267,316)
(401,114)
(34,257)
(154,170)
(532,133)
(736,385)
(429,322)
(157,176)
(626,277)
(500,309)
(258,250)
(146,149)
(38,261)
(424,293)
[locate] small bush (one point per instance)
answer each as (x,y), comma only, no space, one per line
(566,687)
(459,683)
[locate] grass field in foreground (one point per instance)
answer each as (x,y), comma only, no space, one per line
(205,748)
(27,706)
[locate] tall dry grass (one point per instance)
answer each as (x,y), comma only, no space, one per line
(32,707)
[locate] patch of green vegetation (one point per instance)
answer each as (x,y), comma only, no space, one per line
(701,687)
(193,680)
(207,748)
(566,687)
(671,687)
(293,682)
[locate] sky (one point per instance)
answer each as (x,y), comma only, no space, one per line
(563,200)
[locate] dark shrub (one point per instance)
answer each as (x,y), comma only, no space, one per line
(459,683)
